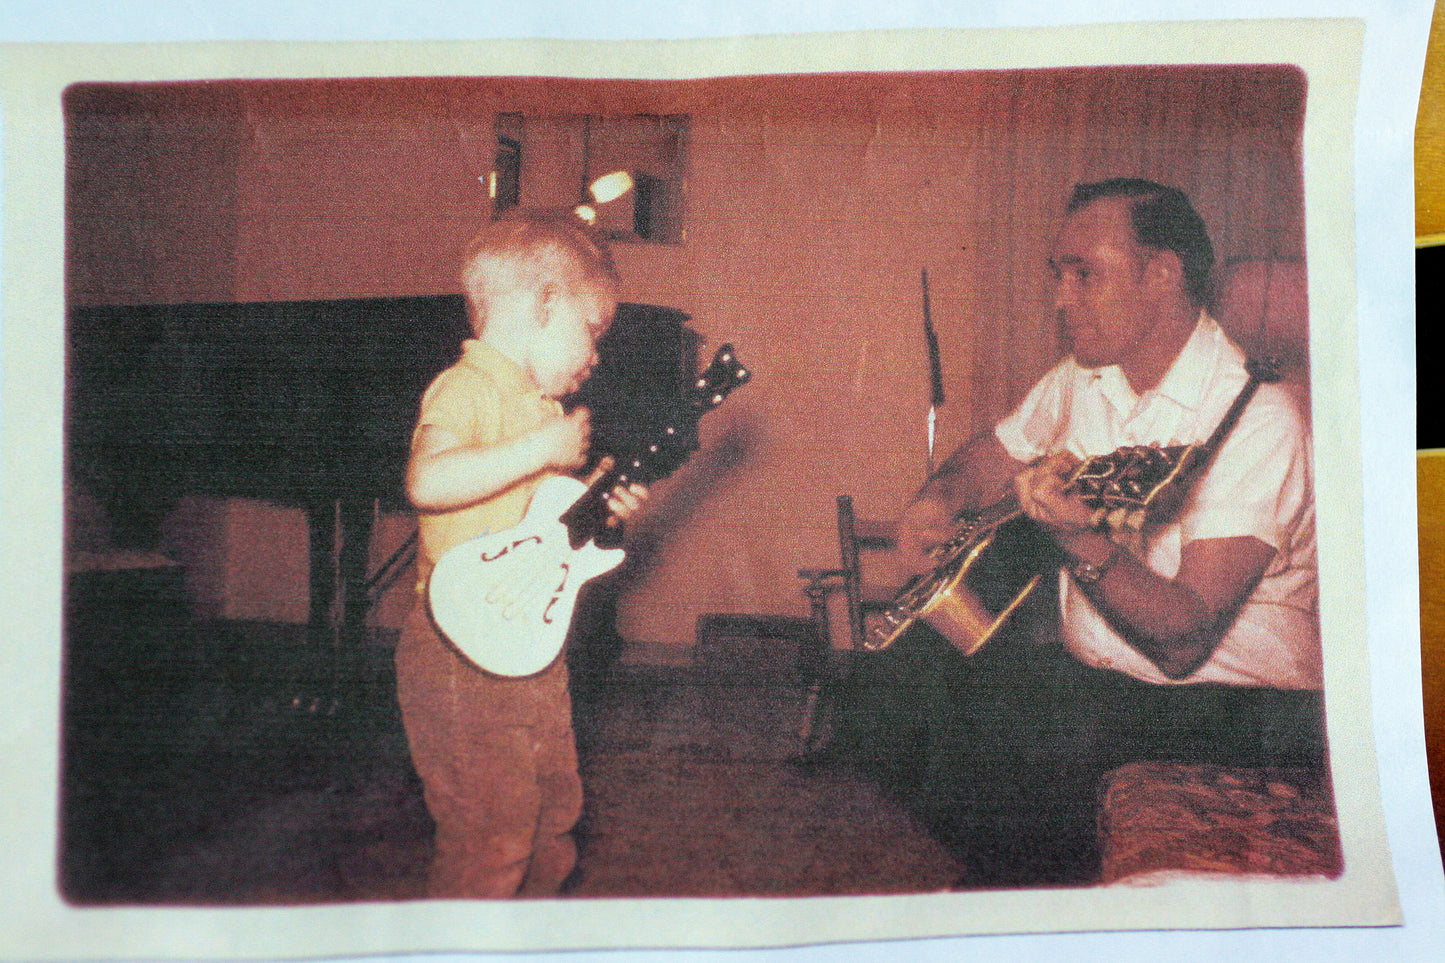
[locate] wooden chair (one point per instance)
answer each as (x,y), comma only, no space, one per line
(861,597)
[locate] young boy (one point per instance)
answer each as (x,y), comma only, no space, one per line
(496,755)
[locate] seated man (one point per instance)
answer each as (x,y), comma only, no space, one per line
(1195,637)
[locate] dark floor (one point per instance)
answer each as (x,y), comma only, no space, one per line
(216,764)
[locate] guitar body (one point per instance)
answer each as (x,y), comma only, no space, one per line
(989,572)
(986,571)
(506,599)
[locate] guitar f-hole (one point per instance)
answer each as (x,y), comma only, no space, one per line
(492,557)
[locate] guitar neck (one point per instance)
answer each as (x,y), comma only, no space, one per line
(669,447)
(1008,506)
(999,512)
(587,516)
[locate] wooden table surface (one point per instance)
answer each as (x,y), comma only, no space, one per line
(1430,141)
(1430,476)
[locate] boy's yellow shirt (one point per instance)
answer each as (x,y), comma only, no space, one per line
(483,399)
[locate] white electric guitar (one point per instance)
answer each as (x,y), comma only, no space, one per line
(505,600)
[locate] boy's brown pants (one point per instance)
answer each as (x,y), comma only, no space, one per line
(498,764)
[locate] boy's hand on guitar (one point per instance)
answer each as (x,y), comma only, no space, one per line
(1043,494)
(624,501)
(564,440)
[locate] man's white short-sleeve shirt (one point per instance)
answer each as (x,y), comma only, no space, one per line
(1260,484)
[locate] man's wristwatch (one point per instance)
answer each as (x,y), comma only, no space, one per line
(1087,573)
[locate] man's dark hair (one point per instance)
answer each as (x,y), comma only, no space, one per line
(1164,220)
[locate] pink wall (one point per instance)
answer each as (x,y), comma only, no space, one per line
(813,204)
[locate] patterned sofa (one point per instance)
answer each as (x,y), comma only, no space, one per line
(1161,821)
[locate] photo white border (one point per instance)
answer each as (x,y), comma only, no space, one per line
(874,52)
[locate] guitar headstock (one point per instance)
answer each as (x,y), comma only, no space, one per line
(677,438)
(1130,478)
(718,380)
(667,448)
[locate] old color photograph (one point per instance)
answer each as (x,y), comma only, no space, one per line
(876,489)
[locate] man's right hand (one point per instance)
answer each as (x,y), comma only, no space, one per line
(926,524)
(975,476)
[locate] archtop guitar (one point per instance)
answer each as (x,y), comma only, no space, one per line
(995,560)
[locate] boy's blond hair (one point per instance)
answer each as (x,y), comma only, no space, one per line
(535,250)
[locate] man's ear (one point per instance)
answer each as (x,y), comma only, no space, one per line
(1165,269)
